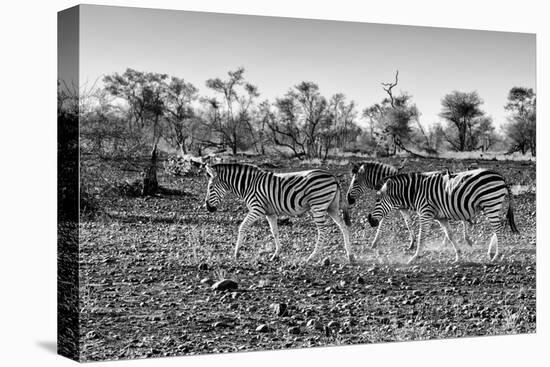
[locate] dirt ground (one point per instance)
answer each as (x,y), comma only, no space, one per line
(147,265)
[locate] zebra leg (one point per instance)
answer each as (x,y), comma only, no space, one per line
(250,218)
(272,219)
(340,222)
(320,220)
(407,218)
(444,223)
(467,239)
(422,227)
(496,223)
(376,236)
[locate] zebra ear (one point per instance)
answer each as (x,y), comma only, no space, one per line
(403,164)
(356,168)
(197,162)
(209,170)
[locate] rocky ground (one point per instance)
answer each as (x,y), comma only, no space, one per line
(150,271)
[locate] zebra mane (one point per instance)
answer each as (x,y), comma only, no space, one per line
(252,167)
(418,173)
(355,167)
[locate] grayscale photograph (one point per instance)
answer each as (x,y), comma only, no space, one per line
(233,183)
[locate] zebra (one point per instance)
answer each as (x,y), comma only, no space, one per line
(446,196)
(370,176)
(272,194)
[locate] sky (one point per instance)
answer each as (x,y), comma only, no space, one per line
(277,53)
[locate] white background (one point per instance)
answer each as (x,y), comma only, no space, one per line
(28,181)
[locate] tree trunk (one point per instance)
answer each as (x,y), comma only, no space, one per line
(150,182)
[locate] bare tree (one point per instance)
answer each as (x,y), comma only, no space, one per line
(145,95)
(232,118)
(179,112)
(521,128)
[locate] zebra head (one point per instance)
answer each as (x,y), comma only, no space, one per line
(216,189)
(385,203)
(358,183)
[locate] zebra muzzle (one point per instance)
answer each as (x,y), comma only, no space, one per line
(373,221)
(210,208)
(351,200)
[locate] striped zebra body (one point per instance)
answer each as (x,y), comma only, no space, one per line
(370,176)
(272,194)
(444,196)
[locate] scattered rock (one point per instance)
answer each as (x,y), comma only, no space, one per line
(315,324)
(224,285)
(326,261)
(220,325)
(203,266)
(333,324)
(360,280)
(208,281)
(263,328)
(280,309)
(294,330)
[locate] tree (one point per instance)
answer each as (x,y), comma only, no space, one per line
(309,124)
(179,111)
(521,128)
(344,117)
(284,127)
(232,117)
(463,115)
(145,95)
(390,121)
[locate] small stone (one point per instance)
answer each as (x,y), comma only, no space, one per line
(360,280)
(263,328)
(333,325)
(280,309)
(326,261)
(208,281)
(294,330)
(203,266)
(225,284)
(314,324)
(220,324)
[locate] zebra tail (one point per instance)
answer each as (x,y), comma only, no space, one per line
(347,218)
(344,206)
(510,214)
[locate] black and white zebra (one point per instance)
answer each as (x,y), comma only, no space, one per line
(444,196)
(272,194)
(370,176)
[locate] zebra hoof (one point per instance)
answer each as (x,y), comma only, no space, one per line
(412,259)
(351,259)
